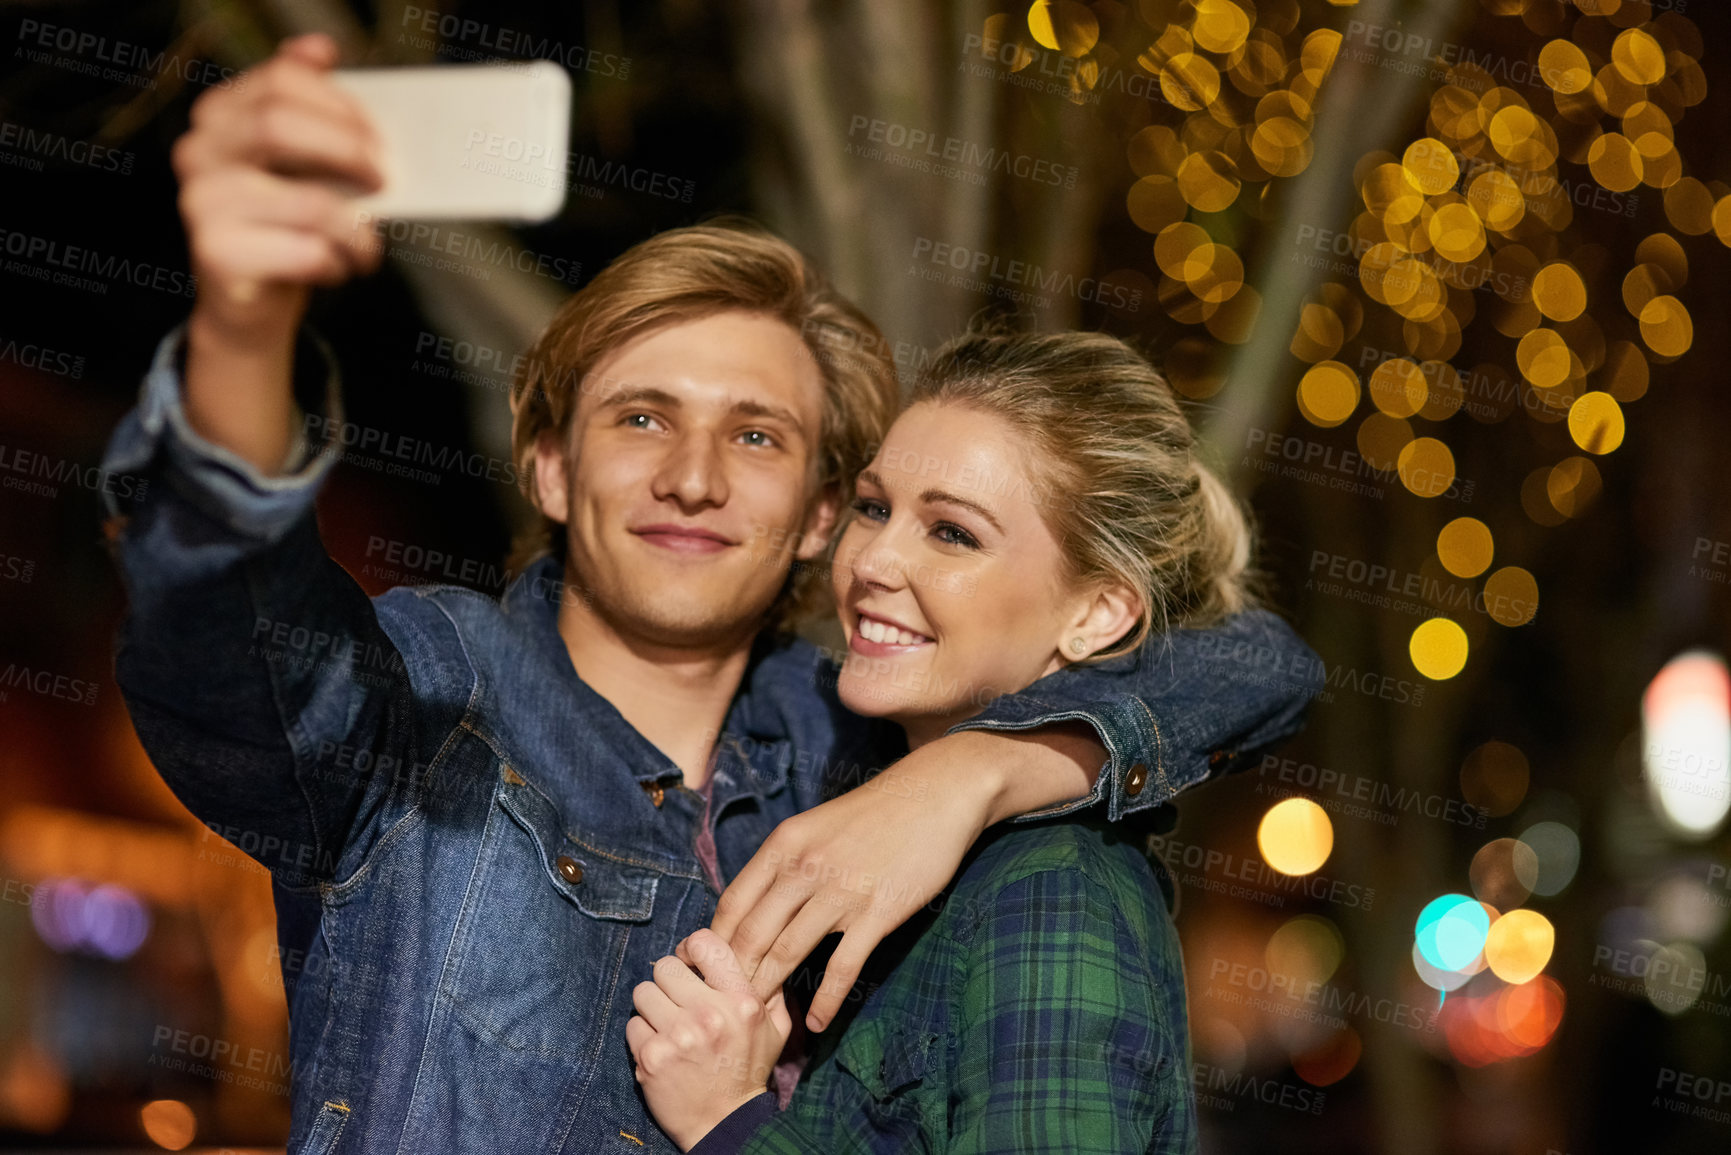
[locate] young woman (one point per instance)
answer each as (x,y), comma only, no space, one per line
(1040,502)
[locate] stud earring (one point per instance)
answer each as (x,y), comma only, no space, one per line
(1078,644)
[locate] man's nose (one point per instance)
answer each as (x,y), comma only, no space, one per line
(693,472)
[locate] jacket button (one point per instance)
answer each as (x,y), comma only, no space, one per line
(569,868)
(1216,758)
(1136,779)
(655,791)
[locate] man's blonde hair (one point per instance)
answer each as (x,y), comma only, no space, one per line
(685,275)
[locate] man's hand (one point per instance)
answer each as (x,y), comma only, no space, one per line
(863,863)
(260,171)
(703,1046)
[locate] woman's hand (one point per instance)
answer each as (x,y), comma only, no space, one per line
(704,1046)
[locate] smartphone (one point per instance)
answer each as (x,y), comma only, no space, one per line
(467,141)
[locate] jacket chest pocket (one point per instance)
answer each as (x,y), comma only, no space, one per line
(544,935)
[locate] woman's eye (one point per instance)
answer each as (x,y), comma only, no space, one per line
(866,507)
(951,534)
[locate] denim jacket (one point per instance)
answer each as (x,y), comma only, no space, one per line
(474,856)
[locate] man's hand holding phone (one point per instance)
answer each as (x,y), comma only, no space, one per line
(262,173)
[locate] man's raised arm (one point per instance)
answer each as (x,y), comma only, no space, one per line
(250,662)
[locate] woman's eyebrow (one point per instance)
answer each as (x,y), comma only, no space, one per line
(935,495)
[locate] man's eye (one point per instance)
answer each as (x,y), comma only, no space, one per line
(639,420)
(758,437)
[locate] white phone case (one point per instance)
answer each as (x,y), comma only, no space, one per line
(467,141)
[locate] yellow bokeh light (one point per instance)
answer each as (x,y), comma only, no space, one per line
(1430,166)
(1615,162)
(1295,836)
(1642,284)
(1189,82)
(1638,57)
(169,1123)
(1722,220)
(1282,146)
(1457,233)
(1390,193)
(1465,547)
(1398,387)
(1064,26)
(1328,394)
(1573,484)
(1510,128)
(1543,357)
(1497,199)
(1564,67)
(1426,466)
(1213,272)
(1559,292)
(1319,336)
(1665,251)
(1208,182)
(1307,950)
(1511,596)
(1438,649)
(1666,327)
(1221,26)
(1519,946)
(1689,205)
(1596,422)
(1175,243)
(1318,52)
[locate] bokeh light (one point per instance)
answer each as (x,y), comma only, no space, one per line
(1496,872)
(169,1123)
(1295,836)
(1438,649)
(1518,946)
(1556,855)
(1306,950)
(1494,778)
(1686,743)
(1465,547)
(1451,931)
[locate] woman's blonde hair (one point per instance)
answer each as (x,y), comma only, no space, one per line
(1131,500)
(687,274)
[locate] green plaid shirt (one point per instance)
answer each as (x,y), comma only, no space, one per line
(1039,1008)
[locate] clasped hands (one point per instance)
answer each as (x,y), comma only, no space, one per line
(712,1023)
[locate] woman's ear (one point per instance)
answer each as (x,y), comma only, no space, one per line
(820,521)
(1105,616)
(551,495)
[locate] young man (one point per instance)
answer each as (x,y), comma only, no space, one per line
(488,820)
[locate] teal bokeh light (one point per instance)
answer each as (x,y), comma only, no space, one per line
(1451,931)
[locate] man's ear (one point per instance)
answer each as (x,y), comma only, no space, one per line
(820,521)
(1102,618)
(550,492)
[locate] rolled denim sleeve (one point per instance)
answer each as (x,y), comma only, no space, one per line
(255,670)
(219,483)
(1185,706)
